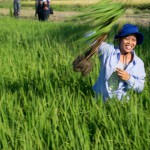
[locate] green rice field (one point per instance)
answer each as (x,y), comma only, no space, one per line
(45,105)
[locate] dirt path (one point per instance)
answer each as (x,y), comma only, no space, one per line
(30,13)
(142,19)
(139,19)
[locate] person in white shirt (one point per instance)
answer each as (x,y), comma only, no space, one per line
(121,69)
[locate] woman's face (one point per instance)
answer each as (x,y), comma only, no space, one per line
(127,43)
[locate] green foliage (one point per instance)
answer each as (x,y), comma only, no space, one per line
(61,7)
(6,4)
(45,105)
(11,11)
(99,19)
(71,7)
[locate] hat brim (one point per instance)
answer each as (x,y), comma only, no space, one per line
(138,35)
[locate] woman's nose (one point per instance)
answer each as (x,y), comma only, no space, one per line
(129,41)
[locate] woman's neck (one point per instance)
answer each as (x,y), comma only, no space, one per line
(126,58)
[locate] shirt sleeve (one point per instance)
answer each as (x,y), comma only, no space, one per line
(136,82)
(106,48)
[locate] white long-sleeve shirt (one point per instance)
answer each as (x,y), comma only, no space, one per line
(110,57)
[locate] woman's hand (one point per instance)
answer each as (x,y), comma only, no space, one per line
(122,74)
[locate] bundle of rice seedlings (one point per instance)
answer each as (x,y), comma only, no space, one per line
(99,19)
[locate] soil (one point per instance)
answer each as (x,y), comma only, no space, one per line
(30,14)
(142,19)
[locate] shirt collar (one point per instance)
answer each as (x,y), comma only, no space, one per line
(117,51)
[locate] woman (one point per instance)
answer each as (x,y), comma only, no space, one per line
(121,69)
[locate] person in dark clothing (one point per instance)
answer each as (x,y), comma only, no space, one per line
(42,9)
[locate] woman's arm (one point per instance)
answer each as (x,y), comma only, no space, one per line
(136,81)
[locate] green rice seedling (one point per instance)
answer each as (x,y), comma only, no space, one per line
(45,105)
(99,20)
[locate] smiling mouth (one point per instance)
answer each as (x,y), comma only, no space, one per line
(128,47)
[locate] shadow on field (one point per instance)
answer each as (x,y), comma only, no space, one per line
(40,87)
(50,82)
(59,77)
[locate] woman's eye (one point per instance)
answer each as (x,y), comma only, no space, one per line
(134,40)
(126,38)
(130,39)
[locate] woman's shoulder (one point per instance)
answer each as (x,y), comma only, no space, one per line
(137,59)
(105,47)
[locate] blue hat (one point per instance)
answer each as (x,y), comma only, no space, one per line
(128,29)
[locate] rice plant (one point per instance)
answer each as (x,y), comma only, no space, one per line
(45,105)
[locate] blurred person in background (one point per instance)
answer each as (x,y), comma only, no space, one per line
(42,9)
(16,7)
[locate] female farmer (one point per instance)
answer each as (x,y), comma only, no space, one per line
(121,69)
